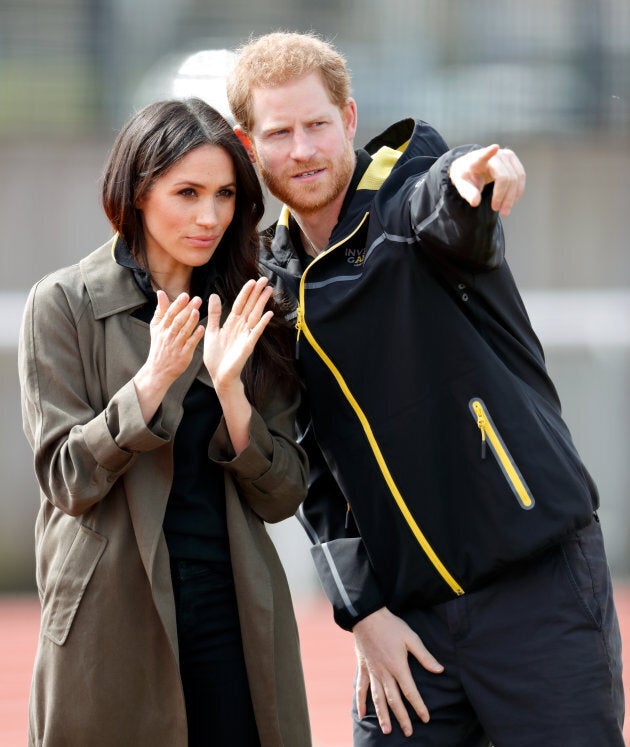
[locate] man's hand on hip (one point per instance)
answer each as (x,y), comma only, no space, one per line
(382,643)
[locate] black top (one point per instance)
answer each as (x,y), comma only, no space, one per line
(194,522)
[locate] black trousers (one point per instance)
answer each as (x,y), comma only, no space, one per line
(218,702)
(532,659)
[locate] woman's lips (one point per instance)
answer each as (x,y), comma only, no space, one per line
(202,240)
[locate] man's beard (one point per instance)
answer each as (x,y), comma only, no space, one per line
(298,198)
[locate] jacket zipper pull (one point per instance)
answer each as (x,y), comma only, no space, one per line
(481,424)
(347,524)
(298,325)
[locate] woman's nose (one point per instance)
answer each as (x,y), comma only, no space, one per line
(207,215)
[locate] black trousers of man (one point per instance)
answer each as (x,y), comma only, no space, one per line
(532,659)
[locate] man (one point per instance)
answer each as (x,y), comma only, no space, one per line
(460,543)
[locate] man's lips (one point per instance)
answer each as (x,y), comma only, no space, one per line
(308,174)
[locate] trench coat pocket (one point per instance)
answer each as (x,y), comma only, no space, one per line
(74,576)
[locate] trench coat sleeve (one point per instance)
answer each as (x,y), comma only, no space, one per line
(271,472)
(446,226)
(80,447)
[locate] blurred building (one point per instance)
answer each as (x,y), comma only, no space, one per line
(549,78)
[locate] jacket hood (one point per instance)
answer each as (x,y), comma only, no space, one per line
(413,137)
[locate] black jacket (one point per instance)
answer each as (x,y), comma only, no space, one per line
(429,396)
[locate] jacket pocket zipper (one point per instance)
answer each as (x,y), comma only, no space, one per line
(490,436)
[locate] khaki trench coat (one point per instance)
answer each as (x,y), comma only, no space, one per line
(106,671)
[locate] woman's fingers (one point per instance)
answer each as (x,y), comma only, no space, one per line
(187,320)
(256,331)
(227,346)
(191,332)
(256,314)
(214,312)
(175,332)
(179,317)
(248,308)
(162,305)
(238,307)
(251,300)
(166,310)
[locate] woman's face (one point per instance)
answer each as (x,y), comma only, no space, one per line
(188,209)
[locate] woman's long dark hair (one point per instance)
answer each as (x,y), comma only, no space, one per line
(148,145)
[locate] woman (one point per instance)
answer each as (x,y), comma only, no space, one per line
(161,445)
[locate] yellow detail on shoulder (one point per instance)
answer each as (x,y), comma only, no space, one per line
(285,214)
(383,161)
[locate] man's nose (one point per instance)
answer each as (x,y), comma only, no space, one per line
(302,147)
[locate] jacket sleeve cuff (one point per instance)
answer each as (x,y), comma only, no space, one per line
(447,226)
(254,460)
(119,431)
(348,580)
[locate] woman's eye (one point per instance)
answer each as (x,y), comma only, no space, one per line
(188,192)
(229,193)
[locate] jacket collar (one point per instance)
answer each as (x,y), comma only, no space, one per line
(111,287)
(410,138)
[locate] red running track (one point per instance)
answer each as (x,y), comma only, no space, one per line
(327,654)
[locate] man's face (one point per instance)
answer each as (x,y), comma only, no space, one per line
(303,143)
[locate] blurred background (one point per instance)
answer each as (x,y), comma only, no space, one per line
(548,78)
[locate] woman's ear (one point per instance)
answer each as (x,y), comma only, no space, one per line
(246,143)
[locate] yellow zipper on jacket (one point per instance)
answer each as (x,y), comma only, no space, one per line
(302,327)
(490,435)
(299,322)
